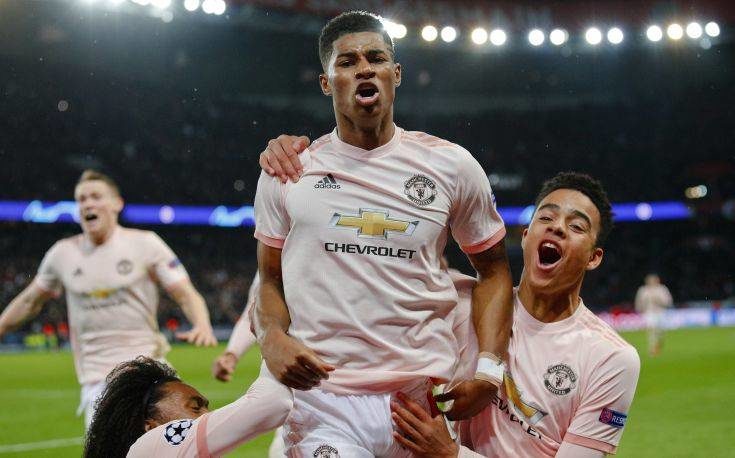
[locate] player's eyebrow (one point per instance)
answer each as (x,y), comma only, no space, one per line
(575,212)
(200,401)
(369,52)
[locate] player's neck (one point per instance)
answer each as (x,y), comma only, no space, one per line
(101,238)
(367,137)
(548,308)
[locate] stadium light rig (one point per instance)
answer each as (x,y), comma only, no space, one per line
(536,37)
(654,33)
(498,37)
(593,36)
(429,33)
(674,31)
(615,35)
(558,37)
(448,34)
(191,5)
(712,29)
(694,30)
(479,36)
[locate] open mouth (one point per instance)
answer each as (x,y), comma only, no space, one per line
(367,94)
(90,217)
(549,253)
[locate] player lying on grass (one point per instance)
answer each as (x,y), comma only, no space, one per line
(147,411)
(111,276)
(570,378)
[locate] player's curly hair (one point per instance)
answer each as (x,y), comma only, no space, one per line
(589,187)
(346,23)
(133,390)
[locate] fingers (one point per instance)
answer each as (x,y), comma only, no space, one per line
(282,151)
(406,443)
(315,365)
(414,407)
(263,162)
(184,336)
(301,143)
(408,430)
(444,397)
(297,381)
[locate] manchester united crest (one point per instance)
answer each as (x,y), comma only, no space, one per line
(560,379)
(325,451)
(420,189)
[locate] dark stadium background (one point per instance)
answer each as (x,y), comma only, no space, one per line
(177,112)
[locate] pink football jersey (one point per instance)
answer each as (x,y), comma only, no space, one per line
(111,296)
(362,233)
(568,381)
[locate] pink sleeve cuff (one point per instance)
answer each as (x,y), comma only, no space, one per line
(487,244)
(590,443)
(202,446)
(270,241)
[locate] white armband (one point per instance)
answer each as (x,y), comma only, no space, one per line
(490,369)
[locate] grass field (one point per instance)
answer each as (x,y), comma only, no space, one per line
(683,406)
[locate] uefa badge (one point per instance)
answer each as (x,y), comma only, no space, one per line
(420,189)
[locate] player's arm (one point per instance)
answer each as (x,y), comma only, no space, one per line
(193,305)
(568,450)
(281,157)
(290,361)
(241,339)
(23,307)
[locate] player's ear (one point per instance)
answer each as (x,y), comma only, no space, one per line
(595,258)
(150,424)
(523,237)
(118,204)
(324,84)
(397,74)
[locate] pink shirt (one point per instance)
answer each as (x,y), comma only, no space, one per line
(568,381)
(242,338)
(263,408)
(362,233)
(111,296)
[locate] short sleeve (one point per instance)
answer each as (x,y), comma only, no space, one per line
(271,220)
(603,411)
(475,222)
(48,277)
(164,263)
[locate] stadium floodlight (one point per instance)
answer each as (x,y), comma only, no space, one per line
(191,5)
(674,31)
(498,37)
(593,36)
(694,30)
(161,4)
(654,33)
(536,37)
(558,37)
(479,36)
(394,29)
(219,7)
(615,36)
(208,6)
(429,33)
(712,29)
(449,34)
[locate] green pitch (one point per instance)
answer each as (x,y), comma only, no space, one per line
(682,406)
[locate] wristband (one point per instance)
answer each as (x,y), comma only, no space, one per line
(490,369)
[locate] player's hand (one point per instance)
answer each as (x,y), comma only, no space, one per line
(419,432)
(200,336)
(293,363)
(468,398)
(281,157)
(224,366)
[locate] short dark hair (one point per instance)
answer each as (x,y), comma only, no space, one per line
(94,175)
(589,187)
(133,390)
(350,22)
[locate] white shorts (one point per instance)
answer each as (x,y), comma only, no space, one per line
(324,424)
(88,400)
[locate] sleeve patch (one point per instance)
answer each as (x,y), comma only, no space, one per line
(613,418)
(175,432)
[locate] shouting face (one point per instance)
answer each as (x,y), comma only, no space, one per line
(361,77)
(559,245)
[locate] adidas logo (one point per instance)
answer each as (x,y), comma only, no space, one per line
(328,182)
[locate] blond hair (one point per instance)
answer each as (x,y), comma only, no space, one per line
(93,175)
